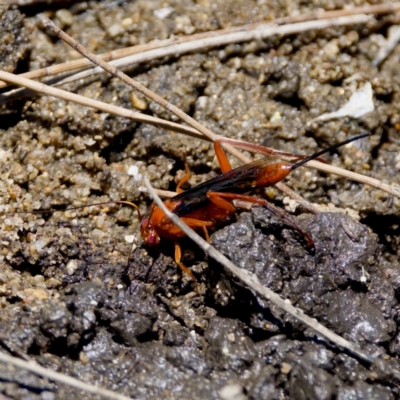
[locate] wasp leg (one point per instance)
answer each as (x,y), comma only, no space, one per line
(184,179)
(206,235)
(178,255)
(194,224)
(218,198)
(224,163)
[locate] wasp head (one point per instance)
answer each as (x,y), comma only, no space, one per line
(148,232)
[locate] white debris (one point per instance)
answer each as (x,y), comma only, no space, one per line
(276,119)
(65,17)
(290,204)
(115,30)
(71,267)
(360,103)
(89,142)
(232,392)
(363,278)
(129,238)
(4,155)
(388,45)
(41,243)
(97,234)
(133,170)
(163,12)
(202,101)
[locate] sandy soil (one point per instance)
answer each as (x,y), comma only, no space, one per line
(69,297)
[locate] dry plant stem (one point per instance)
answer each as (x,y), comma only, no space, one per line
(132,83)
(85,63)
(234,35)
(368,9)
(376,183)
(99,105)
(164,103)
(253,283)
(260,32)
(120,53)
(37,369)
(123,112)
(178,112)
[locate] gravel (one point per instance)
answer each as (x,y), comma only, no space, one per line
(70,298)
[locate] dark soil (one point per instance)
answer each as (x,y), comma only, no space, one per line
(71,300)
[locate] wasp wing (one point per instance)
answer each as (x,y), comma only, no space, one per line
(238,180)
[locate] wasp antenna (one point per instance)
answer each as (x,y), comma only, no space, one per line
(81,207)
(128,203)
(334,147)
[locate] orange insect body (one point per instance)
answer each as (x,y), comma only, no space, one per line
(272,174)
(202,206)
(157,225)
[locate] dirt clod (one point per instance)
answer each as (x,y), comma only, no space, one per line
(73,296)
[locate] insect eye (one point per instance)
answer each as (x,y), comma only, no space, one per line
(152,239)
(145,222)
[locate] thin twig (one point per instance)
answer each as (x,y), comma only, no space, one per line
(205,131)
(132,83)
(4,337)
(128,51)
(172,126)
(253,283)
(99,105)
(85,63)
(258,33)
(37,369)
(376,183)
(202,41)
(164,103)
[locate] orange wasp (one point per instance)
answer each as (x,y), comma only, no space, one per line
(202,206)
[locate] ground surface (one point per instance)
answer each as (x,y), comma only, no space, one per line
(70,300)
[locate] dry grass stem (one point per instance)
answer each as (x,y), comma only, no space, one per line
(167,105)
(260,32)
(37,369)
(85,63)
(253,283)
(171,126)
(171,47)
(99,105)
(138,54)
(129,51)
(208,133)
